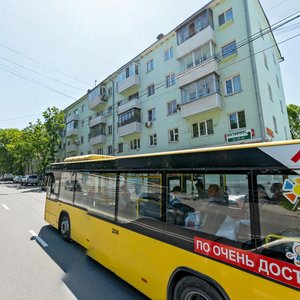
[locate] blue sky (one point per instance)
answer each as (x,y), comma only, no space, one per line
(52,51)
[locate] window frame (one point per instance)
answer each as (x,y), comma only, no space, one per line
(173,135)
(234,89)
(225,17)
(237,120)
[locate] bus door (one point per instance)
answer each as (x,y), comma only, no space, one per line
(101,198)
(139,215)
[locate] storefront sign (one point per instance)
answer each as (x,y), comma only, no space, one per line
(240,135)
(270,132)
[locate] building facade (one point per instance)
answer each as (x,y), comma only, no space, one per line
(213,80)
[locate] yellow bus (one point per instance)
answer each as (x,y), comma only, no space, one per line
(210,223)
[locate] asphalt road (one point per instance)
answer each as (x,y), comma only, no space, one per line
(35,263)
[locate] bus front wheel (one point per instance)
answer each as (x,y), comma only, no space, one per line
(191,287)
(65,227)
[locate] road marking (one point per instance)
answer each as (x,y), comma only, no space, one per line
(40,240)
(5,206)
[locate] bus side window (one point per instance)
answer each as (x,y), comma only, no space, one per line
(53,186)
(100,190)
(279,212)
(139,197)
(216,204)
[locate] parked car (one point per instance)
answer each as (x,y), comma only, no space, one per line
(7,177)
(17,179)
(30,179)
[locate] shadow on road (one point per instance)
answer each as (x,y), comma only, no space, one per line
(84,277)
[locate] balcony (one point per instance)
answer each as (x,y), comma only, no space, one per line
(72,148)
(97,120)
(196,41)
(72,132)
(208,66)
(129,82)
(134,127)
(98,102)
(135,103)
(72,117)
(99,139)
(202,105)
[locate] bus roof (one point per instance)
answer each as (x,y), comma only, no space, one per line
(269,154)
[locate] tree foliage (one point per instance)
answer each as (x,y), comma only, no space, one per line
(30,150)
(294,120)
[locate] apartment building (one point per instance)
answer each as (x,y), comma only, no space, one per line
(213,80)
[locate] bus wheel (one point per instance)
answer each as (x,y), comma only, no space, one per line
(65,227)
(194,288)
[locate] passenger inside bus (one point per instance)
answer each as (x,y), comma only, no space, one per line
(276,192)
(215,196)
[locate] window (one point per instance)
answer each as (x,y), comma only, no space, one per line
(237,120)
(153,140)
(270,93)
(200,23)
(82,108)
(170,80)
(277,81)
(225,17)
(72,125)
(195,58)
(109,110)
(135,144)
(275,124)
(224,196)
(173,135)
(120,147)
(129,116)
(169,54)
(109,150)
(133,96)
(81,139)
(151,115)
(200,88)
(229,49)
(97,130)
(142,191)
(151,90)
(266,61)
(109,128)
(203,128)
(233,85)
(103,193)
(281,106)
(279,218)
(82,123)
(171,107)
(150,65)
(128,72)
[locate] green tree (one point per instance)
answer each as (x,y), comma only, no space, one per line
(294,120)
(33,148)
(43,138)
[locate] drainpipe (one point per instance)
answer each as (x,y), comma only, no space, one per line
(254,73)
(114,118)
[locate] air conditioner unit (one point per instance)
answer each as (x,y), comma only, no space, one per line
(148,124)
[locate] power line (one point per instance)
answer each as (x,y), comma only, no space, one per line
(36,72)
(38,62)
(9,70)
